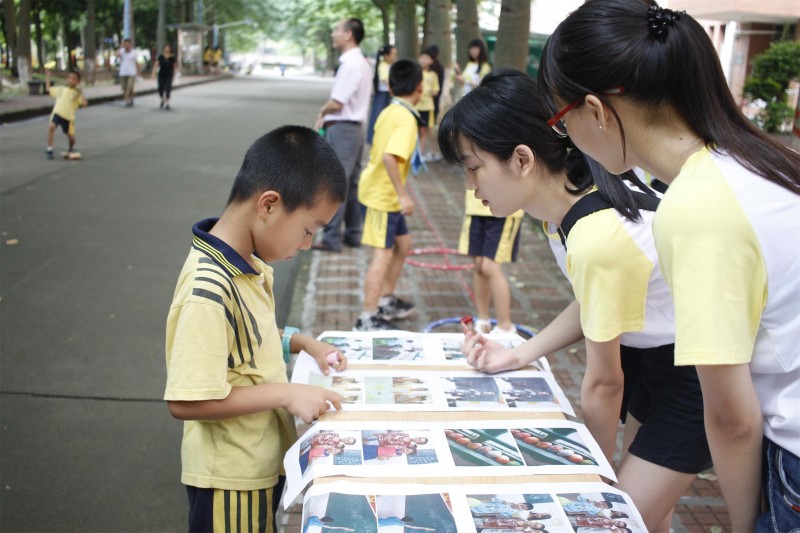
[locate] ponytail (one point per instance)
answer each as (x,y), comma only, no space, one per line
(383,51)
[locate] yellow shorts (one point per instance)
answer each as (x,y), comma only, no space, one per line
(495,238)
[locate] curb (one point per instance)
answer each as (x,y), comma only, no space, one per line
(39,110)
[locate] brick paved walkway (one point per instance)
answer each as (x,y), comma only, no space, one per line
(331,289)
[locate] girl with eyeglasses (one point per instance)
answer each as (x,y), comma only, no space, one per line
(727,231)
(498,133)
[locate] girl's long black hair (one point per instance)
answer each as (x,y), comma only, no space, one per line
(383,51)
(506,110)
(611,43)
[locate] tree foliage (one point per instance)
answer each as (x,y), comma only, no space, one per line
(773,70)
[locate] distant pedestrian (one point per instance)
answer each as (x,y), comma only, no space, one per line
(387,55)
(427,109)
(128,70)
(165,67)
(217,60)
(438,68)
(476,68)
(226,377)
(208,58)
(385,200)
(68,99)
(343,118)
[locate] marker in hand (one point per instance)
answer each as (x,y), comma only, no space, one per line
(333,359)
(467,324)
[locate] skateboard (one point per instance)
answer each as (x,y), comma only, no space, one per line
(71,155)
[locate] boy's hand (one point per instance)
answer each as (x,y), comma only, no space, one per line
(326,355)
(406,205)
(488,356)
(308,402)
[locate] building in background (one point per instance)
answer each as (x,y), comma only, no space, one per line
(741,29)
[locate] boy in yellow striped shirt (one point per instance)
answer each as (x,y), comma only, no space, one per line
(68,99)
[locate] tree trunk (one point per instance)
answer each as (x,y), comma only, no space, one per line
(24,42)
(41,56)
(512,35)
(467,28)
(438,31)
(90,40)
(10,15)
(161,29)
(384,6)
(406,29)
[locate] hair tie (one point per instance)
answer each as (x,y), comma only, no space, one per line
(659,19)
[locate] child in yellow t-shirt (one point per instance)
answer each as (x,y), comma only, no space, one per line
(68,99)
(426,107)
(226,377)
(385,201)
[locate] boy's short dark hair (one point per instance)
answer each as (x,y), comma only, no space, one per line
(405,75)
(77,73)
(295,162)
(356,27)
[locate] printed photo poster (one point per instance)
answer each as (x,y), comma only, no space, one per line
(440,449)
(382,513)
(489,508)
(392,347)
(429,390)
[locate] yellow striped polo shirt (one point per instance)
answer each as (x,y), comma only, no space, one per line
(221,333)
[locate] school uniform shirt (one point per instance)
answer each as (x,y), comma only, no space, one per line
(430,86)
(473,75)
(396,133)
(383,76)
(221,333)
(474,207)
(352,87)
(729,244)
(613,267)
(68,100)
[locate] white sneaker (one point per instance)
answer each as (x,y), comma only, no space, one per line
(500,331)
(483,325)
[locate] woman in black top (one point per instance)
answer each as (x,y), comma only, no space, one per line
(166,71)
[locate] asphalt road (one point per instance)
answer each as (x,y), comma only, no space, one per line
(87,444)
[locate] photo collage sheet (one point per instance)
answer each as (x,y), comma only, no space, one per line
(405,347)
(554,507)
(442,449)
(425,450)
(429,390)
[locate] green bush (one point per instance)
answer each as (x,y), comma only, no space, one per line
(773,70)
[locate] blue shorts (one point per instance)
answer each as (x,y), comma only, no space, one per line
(234,510)
(67,126)
(495,238)
(381,227)
(781,475)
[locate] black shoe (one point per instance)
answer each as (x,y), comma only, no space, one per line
(162,105)
(323,246)
(373,323)
(49,154)
(352,243)
(167,107)
(396,309)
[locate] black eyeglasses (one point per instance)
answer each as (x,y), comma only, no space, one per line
(557,122)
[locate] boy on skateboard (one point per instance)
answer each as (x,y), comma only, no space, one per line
(68,99)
